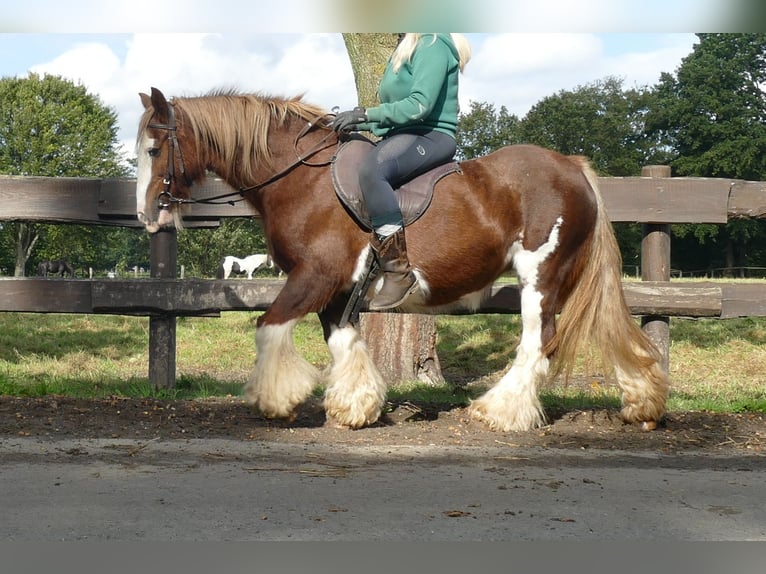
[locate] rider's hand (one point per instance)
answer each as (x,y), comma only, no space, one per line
(347,121)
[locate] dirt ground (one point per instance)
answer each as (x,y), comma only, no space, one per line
(404,423)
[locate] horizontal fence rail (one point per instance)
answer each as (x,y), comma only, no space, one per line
(190,297)
(634,199)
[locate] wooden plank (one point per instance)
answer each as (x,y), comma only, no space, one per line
(628,199)
(96,201)
(203,296)
(184,296)
(39,295)
(117,206)
(669,299)
(502,299)
(643,298)
(117,200)
(49,199)
(666,200)
(743,300)
(748,199)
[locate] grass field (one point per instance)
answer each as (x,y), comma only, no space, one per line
(716,365)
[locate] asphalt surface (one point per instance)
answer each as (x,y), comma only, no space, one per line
(221,490)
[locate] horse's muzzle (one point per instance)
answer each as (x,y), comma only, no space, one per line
(164,219)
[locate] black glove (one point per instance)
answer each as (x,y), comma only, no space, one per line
(345,121)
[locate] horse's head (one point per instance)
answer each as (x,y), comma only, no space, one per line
(163,176)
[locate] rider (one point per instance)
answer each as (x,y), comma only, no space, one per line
(417,120)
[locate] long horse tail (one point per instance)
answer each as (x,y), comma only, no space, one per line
(596,312)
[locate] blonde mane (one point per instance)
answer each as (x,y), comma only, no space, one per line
(237,125)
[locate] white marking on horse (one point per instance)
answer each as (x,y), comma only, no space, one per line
(513,403)
(526,262)
(361,264)
(356,391)
(143,176)
(282,378)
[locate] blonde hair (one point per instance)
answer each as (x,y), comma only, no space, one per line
(406,48)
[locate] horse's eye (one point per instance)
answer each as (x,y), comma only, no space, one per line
(154,152)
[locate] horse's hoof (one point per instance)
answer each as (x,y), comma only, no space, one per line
(350,423)
(284,418)
(647,426)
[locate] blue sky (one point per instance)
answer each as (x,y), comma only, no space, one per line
(514,70)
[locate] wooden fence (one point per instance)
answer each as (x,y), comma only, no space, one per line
(654,199)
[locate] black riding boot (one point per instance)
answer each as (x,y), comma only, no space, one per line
(398,279)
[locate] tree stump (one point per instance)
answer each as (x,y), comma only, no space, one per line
(403,346)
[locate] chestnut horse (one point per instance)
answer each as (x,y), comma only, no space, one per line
(522,207)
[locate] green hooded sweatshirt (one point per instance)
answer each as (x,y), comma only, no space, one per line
(422,95)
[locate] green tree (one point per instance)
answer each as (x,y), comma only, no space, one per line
(600,120)
(483,130)
(713,114)
(52,127)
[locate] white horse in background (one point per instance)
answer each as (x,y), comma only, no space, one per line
(249,265)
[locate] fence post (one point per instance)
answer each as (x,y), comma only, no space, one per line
(655,266)
(162,328)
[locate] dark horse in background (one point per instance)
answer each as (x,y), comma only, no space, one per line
(522,207)
(55,267)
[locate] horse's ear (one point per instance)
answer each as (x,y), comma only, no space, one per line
(160,104)
(146,100)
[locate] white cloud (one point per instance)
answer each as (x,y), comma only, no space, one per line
(93,64)
(521,54)
(190,64)
(644,68)
(518,70)
(318,65)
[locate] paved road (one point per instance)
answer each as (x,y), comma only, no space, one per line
(227,490)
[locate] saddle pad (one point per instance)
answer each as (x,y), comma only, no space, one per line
(414,197)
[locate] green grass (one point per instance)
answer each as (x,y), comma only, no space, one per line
(716,365)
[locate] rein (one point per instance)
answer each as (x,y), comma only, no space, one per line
(166,198)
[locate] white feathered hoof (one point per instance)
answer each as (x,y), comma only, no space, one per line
(360,412)
(271,409)
(506,416)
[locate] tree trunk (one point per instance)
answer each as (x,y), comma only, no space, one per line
(26,237)
(368,54)
(403,346)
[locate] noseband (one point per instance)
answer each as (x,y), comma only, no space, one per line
(166,198)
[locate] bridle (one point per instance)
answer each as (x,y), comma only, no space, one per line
(166,198)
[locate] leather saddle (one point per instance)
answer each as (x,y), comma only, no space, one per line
(414,196)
